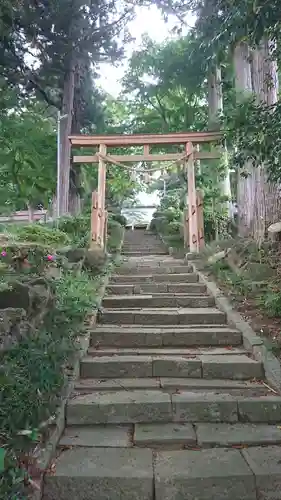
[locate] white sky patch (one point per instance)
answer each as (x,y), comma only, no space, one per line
(148,20)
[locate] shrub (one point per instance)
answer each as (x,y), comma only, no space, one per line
(77,228)
(39,233)
(34,369)
(115,235)
(118,218)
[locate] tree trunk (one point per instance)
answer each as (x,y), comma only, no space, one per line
(246,198)
(66,123)
(214,98)
(75,201)
(215,102)
(258,199)
(265,85)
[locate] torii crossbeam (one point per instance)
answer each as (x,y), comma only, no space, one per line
(194,227)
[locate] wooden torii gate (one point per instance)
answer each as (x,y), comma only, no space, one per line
(193,214)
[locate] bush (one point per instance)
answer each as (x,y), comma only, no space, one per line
(33,374)
(115,235)
(77,228)
(39,233)
(118,218)
(34,366)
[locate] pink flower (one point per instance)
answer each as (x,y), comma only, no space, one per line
(51,258)
(3,253)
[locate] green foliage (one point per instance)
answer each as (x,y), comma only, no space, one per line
(35,368)
(42,233)
(33,374)
(118,218)
(27,158)
(156,98)
(77,228)
(254,130)
(115,235)
(270,300)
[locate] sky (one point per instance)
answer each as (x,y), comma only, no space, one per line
(148,20)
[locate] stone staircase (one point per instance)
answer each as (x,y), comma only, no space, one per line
(169,404)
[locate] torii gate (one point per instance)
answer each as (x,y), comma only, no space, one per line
(193,214)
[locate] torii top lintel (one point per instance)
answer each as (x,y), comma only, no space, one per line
(145,139)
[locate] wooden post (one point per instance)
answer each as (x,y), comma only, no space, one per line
(200,218)
(105,228)
(101,194)
(94,218)
(185,227)
(192,205)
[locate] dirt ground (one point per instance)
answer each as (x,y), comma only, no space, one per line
(269,328)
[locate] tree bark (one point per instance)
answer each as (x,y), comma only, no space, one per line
(258,199)
(66,123)
(215,102)
(245,185)
(214,98)
(265,87)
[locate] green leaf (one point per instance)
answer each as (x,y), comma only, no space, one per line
(3,453)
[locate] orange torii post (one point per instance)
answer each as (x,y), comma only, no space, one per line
(193,218)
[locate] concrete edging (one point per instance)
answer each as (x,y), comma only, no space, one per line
(45,454)
(252,342)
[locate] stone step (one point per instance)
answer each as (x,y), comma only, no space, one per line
(152,301)
(156,288)
(141,245)
(166,336)
(142,474)
(172,435)
(144,270)
(167,316)
(204,435)
(173,385)
(165,351)
(156,278)
(144,252)
(153,262)
(239,367)
(101,474)
(151,406)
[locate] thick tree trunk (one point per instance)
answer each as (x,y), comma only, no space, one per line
(258,199)
(265,86)
(66,123)
(75,201)
(215,103)
(246,198)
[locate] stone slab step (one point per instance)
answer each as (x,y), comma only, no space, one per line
(207,366)
(220,474)
(140,474)
(111,436)
(156,288)
(173,385)
(167,316)
(225,435)
(162,351)
(101,474)
(156,278)
(204,435)
(166,336)
(152,406)
(152,263)
(163,269)
(152,301)
(144,252)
